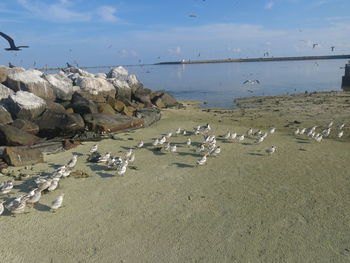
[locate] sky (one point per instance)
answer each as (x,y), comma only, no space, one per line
(113,32)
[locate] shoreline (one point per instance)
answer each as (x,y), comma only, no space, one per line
(242,205)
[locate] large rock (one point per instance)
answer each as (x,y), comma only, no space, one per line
(52,123)
(26,126)
(24,105)
(110,123)
(5,92)
(12,136)
(82,105)
(3,74)
(101,75)
(50,105)
(122,88)
(163,98)
(30,80)
(95,98)
(5,116)
(22,156)
(118,73)
(62,85)
(149,115)
(133,82)
(69,71)
(95,86)
(143,95)
(105,108)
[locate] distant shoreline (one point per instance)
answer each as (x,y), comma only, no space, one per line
(229,60)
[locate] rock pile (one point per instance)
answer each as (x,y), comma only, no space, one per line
(35,106)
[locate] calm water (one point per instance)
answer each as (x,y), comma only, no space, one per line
(219,84)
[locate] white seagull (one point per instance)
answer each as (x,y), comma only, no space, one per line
(57,203)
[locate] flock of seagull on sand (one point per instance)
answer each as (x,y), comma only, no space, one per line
(207,147)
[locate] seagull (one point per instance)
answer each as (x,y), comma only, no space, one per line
(69,65)
(227,135)
(184,132)
(155,142)
(250,132)
(128,154)
(12,43)
(168,135)
(233,135)
(121,169)
(202,160)
(6,187)
(140,144)
(188,142)
(192,15)
(11,65)
(2,207)
(57,203)
(131,158)
(272,130)
(297,131)
(314,45)
(73,161)
(32,200)
(256,81)
(332,48)
(341,126)
(173,148)
(259,140)
(93,148)
(178,131)
(271,150)
(330,124)
(200,148)
(240,138)
(340,134)
(104,158)
(54,184)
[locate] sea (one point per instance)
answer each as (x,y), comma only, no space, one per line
(219,84)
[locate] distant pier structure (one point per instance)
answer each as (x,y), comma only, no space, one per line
(345,85)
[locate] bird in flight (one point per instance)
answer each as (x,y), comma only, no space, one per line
(332,48)
(192,15)
(251,81)
(314,45)
(12,43)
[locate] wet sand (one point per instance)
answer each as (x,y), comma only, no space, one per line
(242,206)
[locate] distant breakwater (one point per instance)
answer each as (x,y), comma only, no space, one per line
(229,60)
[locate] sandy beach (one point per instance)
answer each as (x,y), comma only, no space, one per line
(241,206)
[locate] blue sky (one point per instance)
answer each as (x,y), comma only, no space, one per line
(106,32)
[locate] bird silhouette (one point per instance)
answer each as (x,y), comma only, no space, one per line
(251,81)
(11,65)
(314,45)
(12,43)
(192,15)
(332,48)
(68,65)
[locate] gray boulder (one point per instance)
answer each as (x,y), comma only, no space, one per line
(30,80)
(100,122)
(122,88)
(95,86)
(24,105)
(118,73)
(26,126)
(5,92)
(149,115)
(101,75)
(3,74)
(12,136)
(62,85)
(143,95)
(52,123)
(133,82)
(5,116)
(82,105)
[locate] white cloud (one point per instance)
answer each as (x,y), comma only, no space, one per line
(128,53)
(107,13)
(64,11)
(269,5)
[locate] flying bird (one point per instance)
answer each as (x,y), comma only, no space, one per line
(12,43)
(332,48)
(314,45)
(192,15)
(251,81)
